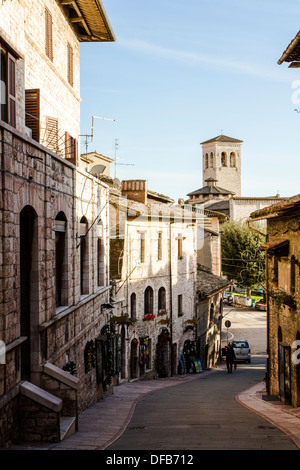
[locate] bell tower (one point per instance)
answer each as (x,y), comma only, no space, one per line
(222,162)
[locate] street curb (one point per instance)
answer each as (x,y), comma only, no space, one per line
(278,418)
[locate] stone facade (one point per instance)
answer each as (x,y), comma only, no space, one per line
(283,298)
(54,246)
(222,161)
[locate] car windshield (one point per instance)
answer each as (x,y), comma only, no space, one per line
(240,344)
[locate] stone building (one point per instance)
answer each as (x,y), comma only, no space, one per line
(222,186)
(55,288)
(282,248)
(153,262)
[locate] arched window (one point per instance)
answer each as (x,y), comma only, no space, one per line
(232,160)
(84,258)
(148,301)
(60,226)
(133,306)
(161,301)
(223,159)
(211,160)
(206,160)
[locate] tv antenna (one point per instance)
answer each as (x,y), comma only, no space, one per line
(91,135)
(116,158)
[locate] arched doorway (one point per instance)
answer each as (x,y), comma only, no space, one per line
(28,286)
(134,359)
(163,354)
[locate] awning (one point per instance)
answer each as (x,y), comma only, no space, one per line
(275,246)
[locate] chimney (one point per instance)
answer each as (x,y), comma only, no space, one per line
(135,190)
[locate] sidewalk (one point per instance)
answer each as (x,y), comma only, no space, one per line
(284,417)
(103,423)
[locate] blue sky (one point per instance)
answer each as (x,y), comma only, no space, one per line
(178,74)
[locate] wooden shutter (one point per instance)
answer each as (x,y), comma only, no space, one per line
(52,133)
(48,34)
(32,112)
(71,149)
(70,65)
(12,90)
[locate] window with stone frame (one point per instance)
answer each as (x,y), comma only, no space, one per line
(223,159)
(161,301)
(8,99)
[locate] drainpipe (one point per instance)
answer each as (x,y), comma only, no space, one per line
(171,291)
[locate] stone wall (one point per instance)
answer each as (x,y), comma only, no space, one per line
(284,321)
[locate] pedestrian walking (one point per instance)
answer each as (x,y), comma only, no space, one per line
(230,357)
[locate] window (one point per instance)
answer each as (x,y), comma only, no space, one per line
(223,159)
(293,274)
(206,160)
(142,247)
(179,304)
(7,87)
(162,301)
(133,306)
(159,246)
(32,112)
(148,301)
(179,243)
(71,149)
(211,160)
(100,255)
(48,34)
(60,232)
(52,134)
(84,266)
(232,160)
(211,313)
(70,64)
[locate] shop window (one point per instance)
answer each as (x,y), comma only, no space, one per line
(89,356)
(7,86)
(161,301)
(133,306)
(148,301)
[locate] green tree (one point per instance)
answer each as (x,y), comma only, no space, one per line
(242,260)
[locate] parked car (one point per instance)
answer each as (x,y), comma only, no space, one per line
(242,350)
(228,298)
(261,305)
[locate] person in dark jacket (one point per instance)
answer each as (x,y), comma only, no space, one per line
(230,357)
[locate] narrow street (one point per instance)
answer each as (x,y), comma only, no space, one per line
(203,414)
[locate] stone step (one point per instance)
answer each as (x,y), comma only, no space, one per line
(67,426)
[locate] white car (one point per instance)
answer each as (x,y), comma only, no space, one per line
(242,350)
